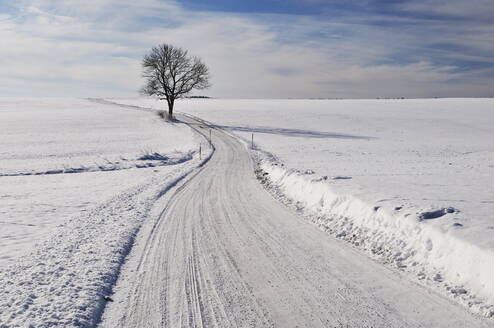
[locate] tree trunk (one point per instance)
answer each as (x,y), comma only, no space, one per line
(170,107)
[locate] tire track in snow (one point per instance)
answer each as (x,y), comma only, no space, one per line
(224,253)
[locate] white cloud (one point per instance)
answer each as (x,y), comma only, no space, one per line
(94,47)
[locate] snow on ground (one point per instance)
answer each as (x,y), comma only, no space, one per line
(411,181)
(77,179)
(47,138)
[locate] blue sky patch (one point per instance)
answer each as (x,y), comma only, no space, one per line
(291,48)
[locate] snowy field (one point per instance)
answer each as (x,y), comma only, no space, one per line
(409,181)
(42,141)
(77,179)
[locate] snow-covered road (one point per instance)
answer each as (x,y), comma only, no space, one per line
(225,253)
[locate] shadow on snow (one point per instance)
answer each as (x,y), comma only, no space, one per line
(292,132)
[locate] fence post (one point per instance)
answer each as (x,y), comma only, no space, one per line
(200,150)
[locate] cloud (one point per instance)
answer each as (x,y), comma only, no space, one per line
(94,48)
(473,9)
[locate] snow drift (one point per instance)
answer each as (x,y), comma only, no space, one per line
(410,242)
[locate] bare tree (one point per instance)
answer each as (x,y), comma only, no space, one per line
(171,74)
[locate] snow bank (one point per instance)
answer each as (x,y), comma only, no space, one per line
(67,280)
(142,161)
(410,242)
(65,236)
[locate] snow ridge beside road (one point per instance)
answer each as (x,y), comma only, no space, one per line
(66,281)
(434,256)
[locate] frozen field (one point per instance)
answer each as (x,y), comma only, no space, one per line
(43,140)
(411,181)
(47,136)
(408,181)
(77,179)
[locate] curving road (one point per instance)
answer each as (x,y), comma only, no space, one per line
(226,254)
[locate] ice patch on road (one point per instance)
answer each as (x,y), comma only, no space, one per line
(400,237)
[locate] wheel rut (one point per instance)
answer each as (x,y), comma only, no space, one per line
(224,253)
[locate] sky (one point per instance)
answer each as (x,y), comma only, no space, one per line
(254,49)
